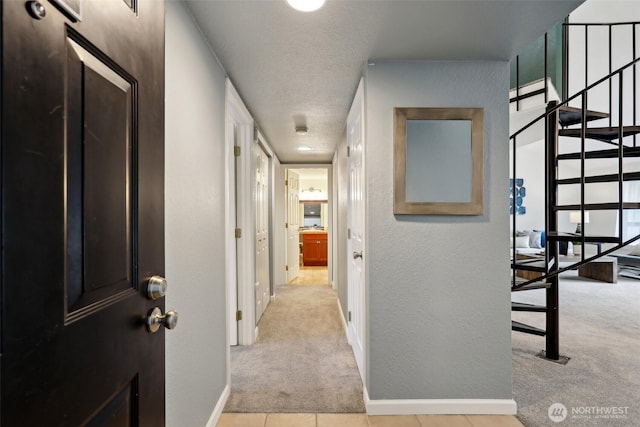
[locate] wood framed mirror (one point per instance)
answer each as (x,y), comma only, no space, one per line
(438,161)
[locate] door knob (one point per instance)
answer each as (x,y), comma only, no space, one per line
(157,287)
(357,255)
(156,318)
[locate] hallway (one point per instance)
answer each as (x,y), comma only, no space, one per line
(301,361)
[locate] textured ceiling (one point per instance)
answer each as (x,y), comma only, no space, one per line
(293,68)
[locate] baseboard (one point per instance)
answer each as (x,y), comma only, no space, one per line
(344,323)
(217,411)
(439,406)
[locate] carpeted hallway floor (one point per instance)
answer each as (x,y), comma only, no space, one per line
(301,361)
(600,332)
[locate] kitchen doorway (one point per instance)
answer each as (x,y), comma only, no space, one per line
(308,225)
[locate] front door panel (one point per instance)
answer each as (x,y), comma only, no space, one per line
(82,213)
(98,176)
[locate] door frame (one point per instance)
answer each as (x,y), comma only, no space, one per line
(240,212)
(240,259)
(357,108)
(261,144)
(330,204)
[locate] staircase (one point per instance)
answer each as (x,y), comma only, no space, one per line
(590,155)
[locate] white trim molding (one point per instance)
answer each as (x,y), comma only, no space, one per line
(217,411)
(439,406)
(239,213)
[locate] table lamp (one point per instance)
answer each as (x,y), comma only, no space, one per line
(576,218)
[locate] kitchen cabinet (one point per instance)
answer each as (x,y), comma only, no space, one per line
(314,249)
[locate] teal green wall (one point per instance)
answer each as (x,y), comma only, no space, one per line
(532,60)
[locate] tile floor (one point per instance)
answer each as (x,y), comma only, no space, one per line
(311,276)
(363,420)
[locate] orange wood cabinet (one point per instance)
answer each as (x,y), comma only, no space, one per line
(314,249)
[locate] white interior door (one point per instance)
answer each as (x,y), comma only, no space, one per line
(293,225)
(356,227)
(262,283)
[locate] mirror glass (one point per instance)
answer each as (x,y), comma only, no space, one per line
(315,215)
(438,152)
(312,215)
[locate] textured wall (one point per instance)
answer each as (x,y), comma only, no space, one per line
(438,294)
(194,193)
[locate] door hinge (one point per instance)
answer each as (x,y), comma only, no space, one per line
(286,268)
(286,225)
(348,233)
(349,315)
(236,150)
(238,233)
(255,133)
(348,151)
(286,182)
(238,315)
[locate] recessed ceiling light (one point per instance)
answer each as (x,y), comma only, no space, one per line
(306,5)
(304,148)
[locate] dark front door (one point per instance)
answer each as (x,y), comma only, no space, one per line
(82,212)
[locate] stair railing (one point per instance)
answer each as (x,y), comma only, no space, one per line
(589,28)
(550,116)
(551,267)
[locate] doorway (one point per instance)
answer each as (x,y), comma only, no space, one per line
(308,226)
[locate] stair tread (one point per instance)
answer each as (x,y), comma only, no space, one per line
(569,237)
(530,286)
(520,306)
(529,265)
(568,116)
(614,177)
(611,153)
(598,206)
(521,327)
(606,134)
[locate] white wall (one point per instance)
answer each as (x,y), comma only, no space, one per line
(194,226)
(340,223)
(602,11)
(438,299)
(531,167)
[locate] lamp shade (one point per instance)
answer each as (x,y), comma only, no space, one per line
(576,217)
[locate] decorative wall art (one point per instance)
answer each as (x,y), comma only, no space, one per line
(517,193)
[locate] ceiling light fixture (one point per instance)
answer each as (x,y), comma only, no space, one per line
(304,148)
(301,130)
(306,5)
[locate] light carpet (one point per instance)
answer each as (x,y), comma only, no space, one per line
(301,361)
(600,332)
